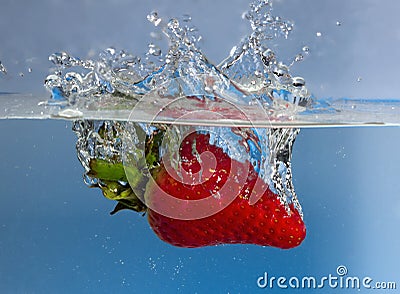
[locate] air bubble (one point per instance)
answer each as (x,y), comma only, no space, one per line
(208,89)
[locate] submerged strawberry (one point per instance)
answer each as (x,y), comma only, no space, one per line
(266,222)
(211,199)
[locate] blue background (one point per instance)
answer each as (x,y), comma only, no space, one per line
(56,234)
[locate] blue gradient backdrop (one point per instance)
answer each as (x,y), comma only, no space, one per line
(56,235)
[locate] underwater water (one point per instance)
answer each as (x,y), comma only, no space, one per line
(57,235)
(56,232)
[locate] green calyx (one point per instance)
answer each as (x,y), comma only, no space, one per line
(112,177)
(105,170)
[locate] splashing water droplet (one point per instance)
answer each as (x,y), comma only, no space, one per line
(111,51)
(299,57)
(306,49)
(173,24)
(281,70)
(3,68)
(154,50)
(338,23)
(318,34)
(186,18)
(298,82)
(153,18)
(233,50)
(268,56)
(62,59)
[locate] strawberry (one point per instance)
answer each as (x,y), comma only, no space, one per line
(208,201)
(266,222)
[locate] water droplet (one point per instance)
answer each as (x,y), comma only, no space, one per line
(338,23)
(281,70)
(29,70)
(268,56)
(258,74)
(233,50)
(110,50)
(186,18)
(359,79)
(267,83)
(299,57)
(306,49)
(21,74)
(173,24)
(154,50)
(318,34)
(3,68)
(63,59)
(298,82)
(153,18)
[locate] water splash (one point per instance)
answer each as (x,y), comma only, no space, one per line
(251,72)
(251,75)
(255,67)
(268,150)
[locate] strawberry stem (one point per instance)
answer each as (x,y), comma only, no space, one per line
(112,176)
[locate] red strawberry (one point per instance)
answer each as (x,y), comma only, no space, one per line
(208,202)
